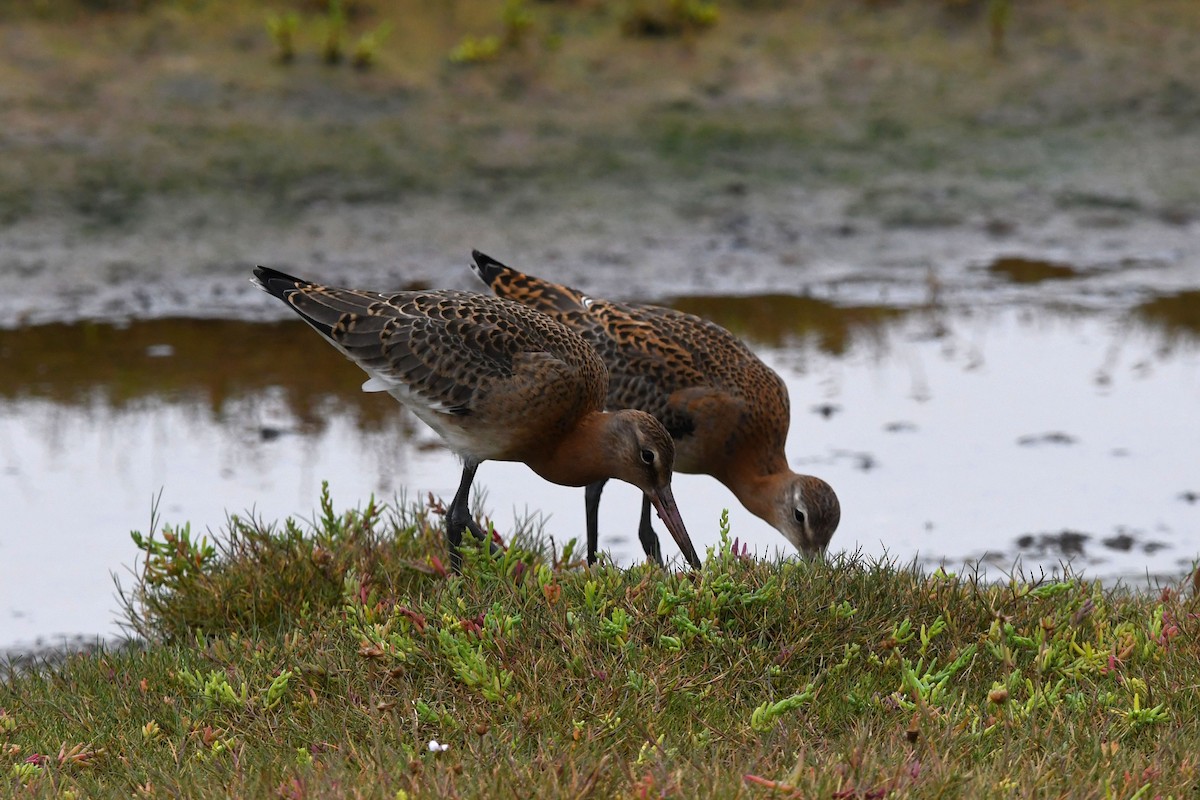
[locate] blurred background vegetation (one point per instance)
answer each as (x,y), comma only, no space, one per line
(932,109)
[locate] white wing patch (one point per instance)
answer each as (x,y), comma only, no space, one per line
(416,401)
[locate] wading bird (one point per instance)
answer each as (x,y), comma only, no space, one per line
(497,381)
(727,411)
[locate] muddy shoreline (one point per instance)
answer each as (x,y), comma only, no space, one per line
(800,244)
(881,153)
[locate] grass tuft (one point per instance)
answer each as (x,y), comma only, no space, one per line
(333,47)
(282,29)
(366,50)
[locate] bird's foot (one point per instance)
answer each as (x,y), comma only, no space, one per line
(455,528)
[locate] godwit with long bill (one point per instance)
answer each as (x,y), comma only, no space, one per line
(727,411)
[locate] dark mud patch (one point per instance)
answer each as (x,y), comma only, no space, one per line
(1053,437)
(1070,544)
(1064,544)
(826,410)
(269,433)
(1020,270)
(861,460)
(1127,541)
(1122,542)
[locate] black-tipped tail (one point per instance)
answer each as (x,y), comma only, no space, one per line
(276,283)
(504,281)
(487,268)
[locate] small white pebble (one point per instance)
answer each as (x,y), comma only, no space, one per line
(437,747)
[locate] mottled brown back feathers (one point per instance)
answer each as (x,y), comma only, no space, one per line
(665,361)
(461,353)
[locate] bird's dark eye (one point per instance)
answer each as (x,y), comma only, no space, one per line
(798,515)
(647,456)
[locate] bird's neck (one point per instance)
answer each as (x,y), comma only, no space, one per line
(758,491)
(580,458)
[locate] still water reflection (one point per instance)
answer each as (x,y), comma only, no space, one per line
(959,436)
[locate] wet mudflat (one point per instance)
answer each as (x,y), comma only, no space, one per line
(995,438)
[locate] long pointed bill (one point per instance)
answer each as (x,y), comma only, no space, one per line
(668,512)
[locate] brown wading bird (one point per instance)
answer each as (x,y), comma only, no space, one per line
(727,411)
(496,380)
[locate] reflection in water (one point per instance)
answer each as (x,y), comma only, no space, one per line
(776,320)
(219,365)
(939,445)
(1176,316)
(1018,269)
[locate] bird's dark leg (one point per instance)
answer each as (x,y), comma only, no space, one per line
(592,504)
(458,516)
(647,536)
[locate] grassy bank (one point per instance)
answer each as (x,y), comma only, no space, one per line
(322,659)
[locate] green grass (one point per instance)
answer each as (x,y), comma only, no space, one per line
(320,660)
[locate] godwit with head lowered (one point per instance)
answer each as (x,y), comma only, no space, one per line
(497,381)
(727,411)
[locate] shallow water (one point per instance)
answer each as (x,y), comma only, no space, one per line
(997,436)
